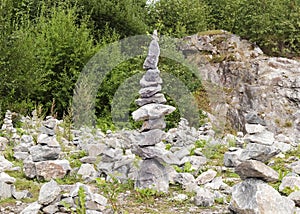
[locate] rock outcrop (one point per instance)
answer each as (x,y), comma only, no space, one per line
(248,81)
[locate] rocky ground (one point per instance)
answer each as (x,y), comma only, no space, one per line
(47,168)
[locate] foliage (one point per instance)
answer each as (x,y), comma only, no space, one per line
(80,203)
(178,17)
(272,24)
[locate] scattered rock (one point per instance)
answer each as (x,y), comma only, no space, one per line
(49,192)
(256,169)
(255,196)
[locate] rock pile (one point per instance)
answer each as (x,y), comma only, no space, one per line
(259,143)
(253,194)
(152,172)
(54,198)
(8,126)
(42,160)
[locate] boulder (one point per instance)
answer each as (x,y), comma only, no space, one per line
(52,169)
(255,196)
(49,192)
(44,153)
(153,175)
(256,169)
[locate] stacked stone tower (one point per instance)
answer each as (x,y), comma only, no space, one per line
(152,111)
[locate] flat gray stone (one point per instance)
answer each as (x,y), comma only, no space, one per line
(149,91)
(32,208)
(255,151)
(255,196)
(44,153)
(154,124)
(144,83)
(265,138)
(256,169)
(150,137)
(152,111)
(206,177)
(49,192)
(254,128)
(253,118)
(156,98)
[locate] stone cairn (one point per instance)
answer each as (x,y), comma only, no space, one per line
(42,160)
(152,173)
(8,126)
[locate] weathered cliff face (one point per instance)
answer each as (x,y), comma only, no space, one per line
(248,81)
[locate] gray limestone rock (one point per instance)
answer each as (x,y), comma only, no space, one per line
(265,138)
(49,192)
(154,124)
(153,54)
(5,164)
(95,149)
(4,177)
(29,169)
(206,177)
(283,147)
(152,111)
(256,169)
(290,181)
(184,178)
(149,91)
(254,151)
(295,166)
(156,98)
(204,198)
(257,197)
(32,208)
(18,195)
(295,196)
(87,171)
(144,83)
(152,75)
(195,161)
(51,209)
(100,199)
(153,175)
(253,118)
(254,128)
(231,158)
(3,143)
(43,153)
(5,190)
(150,137)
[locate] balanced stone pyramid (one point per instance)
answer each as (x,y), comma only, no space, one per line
(152,111)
